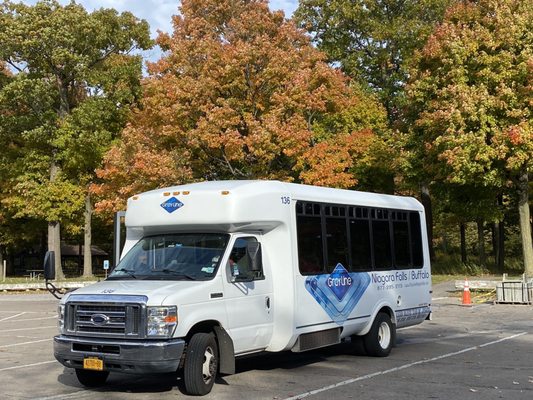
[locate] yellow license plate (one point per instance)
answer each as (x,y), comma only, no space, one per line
(93,363)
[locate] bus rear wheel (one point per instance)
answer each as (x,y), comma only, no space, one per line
(379,340)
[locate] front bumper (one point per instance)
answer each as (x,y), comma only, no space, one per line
(130,356)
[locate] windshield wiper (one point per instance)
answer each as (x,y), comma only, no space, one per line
(178,274)
(130,272)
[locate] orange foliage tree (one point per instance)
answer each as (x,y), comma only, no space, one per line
(240,93)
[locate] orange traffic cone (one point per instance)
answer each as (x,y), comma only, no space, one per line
(467,301)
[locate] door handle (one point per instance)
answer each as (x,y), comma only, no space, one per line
(267,302)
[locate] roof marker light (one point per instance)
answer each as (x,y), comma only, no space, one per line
(224,192)
(166,194)
(186,192)
(175,193)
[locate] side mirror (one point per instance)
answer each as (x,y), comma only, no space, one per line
(253,252)
(49,266)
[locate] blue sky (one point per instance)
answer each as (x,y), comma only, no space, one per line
(158,12)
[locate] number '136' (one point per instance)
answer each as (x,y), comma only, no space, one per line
(285,200)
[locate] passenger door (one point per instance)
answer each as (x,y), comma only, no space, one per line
(248,294)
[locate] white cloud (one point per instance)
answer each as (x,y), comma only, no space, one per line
(289,6)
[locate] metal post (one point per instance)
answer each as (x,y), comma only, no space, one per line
(4,269)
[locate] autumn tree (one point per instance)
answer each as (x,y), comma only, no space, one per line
(240,93)
(75,79)
(471,89)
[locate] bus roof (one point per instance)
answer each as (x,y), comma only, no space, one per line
(227,205)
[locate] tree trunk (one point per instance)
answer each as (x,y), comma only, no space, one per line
(494,241)
(87,243)
(54,244)
(80,257)
(64,106)
(501,247)
(10,263)
(481,243)
(462,228)
(54,228)
(54,231)
(2,263)
(426,202)
(498,242)
(525,223)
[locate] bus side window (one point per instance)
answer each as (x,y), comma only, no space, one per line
(416,239)
(239,261)
(337,241)
(382,244)
(360,245)
(310,252)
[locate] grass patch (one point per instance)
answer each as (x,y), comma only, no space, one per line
(22,279)
(440,278)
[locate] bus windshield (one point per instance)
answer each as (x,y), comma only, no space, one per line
(180,256)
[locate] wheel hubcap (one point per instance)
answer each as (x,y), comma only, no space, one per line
(209,367)
(384,335)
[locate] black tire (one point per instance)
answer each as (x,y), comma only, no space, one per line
(201,364)
(379,340)
(90,378)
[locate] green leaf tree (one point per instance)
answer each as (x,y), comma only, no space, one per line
(471,93)
(373,40)
(75,79)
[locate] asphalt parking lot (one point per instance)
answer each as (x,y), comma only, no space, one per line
(482,352)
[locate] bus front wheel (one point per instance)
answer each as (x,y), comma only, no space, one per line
(201,364)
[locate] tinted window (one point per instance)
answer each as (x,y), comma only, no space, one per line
(310,255)
(360,238)
(402,248)
(337,242)
(381,241)
(360,241)
(416,240)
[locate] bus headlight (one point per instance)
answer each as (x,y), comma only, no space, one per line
(162,321)
(61,317)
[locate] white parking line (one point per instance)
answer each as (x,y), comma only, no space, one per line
(12,316)
(27,329)
(27,365)
(25,312)
(37,319)
(388,371)
(20,344)
(78,394)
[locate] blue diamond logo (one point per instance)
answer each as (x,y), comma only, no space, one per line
(172,205)
(339,282)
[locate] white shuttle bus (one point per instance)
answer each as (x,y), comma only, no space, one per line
(216,270)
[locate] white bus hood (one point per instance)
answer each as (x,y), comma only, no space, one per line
(158,292)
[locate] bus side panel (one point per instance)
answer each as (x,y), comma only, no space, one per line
(278,252)
(351,300)
(405,292)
